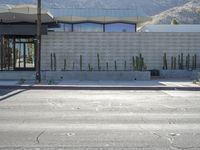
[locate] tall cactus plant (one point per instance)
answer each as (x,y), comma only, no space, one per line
(182,66)
(55,62)
(65,64)
(125,65)
(107,67)
(165,67)
(81,63)
(115,65)
(133,63)
(175,63)
(98,62)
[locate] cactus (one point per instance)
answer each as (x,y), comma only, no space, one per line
(65,64)
(182,66)
(107,66)
(133,63)
(89,67)
(115,65)
(165,62)
(81,63)
(195,61)
(179,62)
(174,62)
(51,62)
(73,67)
(188,61)
(137,63)
(125,65)
(141,62)
(55,62)
(98,61)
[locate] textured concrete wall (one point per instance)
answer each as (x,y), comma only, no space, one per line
(17,75)
(116,47)
(96,76)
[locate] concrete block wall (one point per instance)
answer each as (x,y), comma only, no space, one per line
(116,47)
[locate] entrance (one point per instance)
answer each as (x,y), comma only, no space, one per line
(24,55)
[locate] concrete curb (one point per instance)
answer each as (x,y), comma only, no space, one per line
(55,87)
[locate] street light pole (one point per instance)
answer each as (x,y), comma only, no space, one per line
(38,44)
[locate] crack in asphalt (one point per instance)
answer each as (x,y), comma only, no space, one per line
(39,135)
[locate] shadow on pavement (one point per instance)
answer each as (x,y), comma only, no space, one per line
(7,93)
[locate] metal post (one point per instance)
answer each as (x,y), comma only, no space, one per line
(38,44)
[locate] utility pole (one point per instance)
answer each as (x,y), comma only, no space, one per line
(38,44)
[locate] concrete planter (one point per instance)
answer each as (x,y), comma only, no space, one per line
(96,75)
(177,74)
(17,75)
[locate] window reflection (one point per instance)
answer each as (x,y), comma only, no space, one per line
(7,54)
(61,27)
(120,27)
(92,27)
(88,27)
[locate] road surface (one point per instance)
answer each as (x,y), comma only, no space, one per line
(99,120)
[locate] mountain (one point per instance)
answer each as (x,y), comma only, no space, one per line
(188,13)
(162,11)
(148,7)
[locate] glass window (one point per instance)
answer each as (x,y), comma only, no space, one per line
(61,27)
(88,27)
(7,54)
(20,55)
(120,27)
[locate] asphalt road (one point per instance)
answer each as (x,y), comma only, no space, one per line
(99,120)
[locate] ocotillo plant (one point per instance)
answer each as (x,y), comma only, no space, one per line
(55,62)
(98,62)
(133,63)
(165,62)
(115,65)
(81,63)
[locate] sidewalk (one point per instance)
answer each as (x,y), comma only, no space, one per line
(162,84)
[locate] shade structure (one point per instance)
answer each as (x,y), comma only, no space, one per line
(99,15)
(23,13)
(103,19)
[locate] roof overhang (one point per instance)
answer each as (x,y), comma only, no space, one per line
(23,13)
(103,19)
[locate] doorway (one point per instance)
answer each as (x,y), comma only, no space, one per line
(24,55)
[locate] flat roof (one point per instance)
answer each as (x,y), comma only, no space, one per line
(23,13)
(28,13)
(99,15)
(171,28)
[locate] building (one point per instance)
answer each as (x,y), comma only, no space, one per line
(90,40)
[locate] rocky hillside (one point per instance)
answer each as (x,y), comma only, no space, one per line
(162,11)
(148,7)
(188,13)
